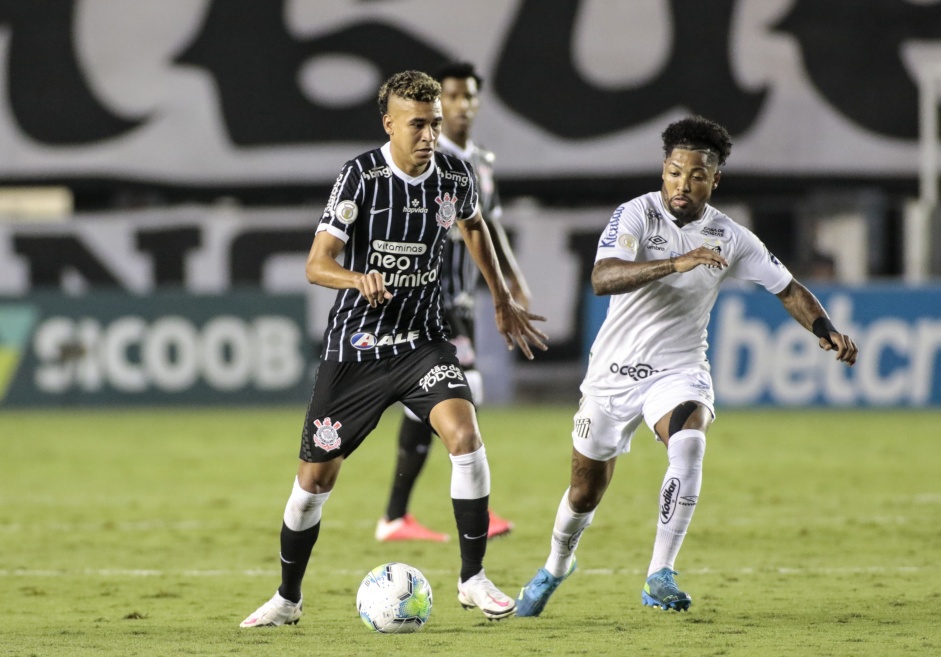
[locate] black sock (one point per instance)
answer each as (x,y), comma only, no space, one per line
(414,440)
(473,521)
(295,553)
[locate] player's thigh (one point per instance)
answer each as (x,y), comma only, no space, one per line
(600,431)
(346,404)
(680,400)
(429,376)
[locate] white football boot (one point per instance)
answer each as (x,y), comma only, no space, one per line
(480,592)
(275,612)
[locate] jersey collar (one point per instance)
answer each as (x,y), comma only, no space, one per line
(386,151)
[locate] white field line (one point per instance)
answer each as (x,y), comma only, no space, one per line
(604,572)
(197,525)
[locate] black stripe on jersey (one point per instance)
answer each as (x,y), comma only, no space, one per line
(399,230)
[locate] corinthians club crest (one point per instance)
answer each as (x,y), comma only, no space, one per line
(327,437)
(446,210)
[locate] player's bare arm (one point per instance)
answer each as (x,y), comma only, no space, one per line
(804,307)
(616,276)
(324,270)
(513,320)
(508,265)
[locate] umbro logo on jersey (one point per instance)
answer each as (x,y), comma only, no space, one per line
(656,243)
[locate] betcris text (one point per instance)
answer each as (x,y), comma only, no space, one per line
(760,356)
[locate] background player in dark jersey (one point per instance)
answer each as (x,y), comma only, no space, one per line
(386,338)
(460,101)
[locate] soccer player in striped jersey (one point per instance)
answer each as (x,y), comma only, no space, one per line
(387,338)
(460,101)
(662,259)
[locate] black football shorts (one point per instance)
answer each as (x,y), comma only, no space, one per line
(350,397)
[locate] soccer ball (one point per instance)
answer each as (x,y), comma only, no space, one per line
(394,598)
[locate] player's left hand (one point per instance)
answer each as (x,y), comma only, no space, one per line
(515,324)
(843,345)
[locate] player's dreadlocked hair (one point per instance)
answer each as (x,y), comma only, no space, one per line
(410,85)
(698,134)
(459,70)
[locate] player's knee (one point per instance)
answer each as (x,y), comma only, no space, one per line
(462,439)
(584,498)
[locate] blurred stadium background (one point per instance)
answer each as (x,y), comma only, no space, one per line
(164,165)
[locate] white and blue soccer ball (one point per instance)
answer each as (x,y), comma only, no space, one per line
(394,598)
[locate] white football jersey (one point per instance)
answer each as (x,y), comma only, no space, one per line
(662,326)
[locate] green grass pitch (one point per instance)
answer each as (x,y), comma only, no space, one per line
(155,533)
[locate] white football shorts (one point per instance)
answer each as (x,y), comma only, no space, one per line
(604,426)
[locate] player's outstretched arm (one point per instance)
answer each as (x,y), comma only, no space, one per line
(323,269)
(508,265)
(804,307)
(616,276)
(513,320)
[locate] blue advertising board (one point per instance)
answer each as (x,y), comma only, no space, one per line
(762,357)
(167,348)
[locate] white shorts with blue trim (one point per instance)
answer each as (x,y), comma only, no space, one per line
(604,426)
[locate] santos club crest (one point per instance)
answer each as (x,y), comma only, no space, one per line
(327,437)
(446,210)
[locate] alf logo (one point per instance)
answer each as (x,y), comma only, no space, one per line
(16,325)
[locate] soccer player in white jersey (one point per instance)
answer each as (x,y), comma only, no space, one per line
(662,259)
(460,101)
(386,340)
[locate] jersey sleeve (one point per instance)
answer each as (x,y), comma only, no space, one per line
(622,237)
(343,207)
(755,263)
(469,201)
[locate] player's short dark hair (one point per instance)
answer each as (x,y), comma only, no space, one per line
(410,85)
(696,133)
(459,70)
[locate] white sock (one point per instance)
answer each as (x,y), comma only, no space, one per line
(678,496)
(470,475)
(303,509)
(566,533)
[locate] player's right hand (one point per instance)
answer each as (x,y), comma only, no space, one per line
(373,288)
(515,324)
(700,256)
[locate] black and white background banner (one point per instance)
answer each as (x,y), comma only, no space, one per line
(250,92)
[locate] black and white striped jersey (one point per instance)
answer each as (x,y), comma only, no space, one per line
(397,225)
(459,273)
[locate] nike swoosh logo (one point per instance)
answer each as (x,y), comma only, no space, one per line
(497,602)
(457,385)
(474,538)
(283,560)
(375,211)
